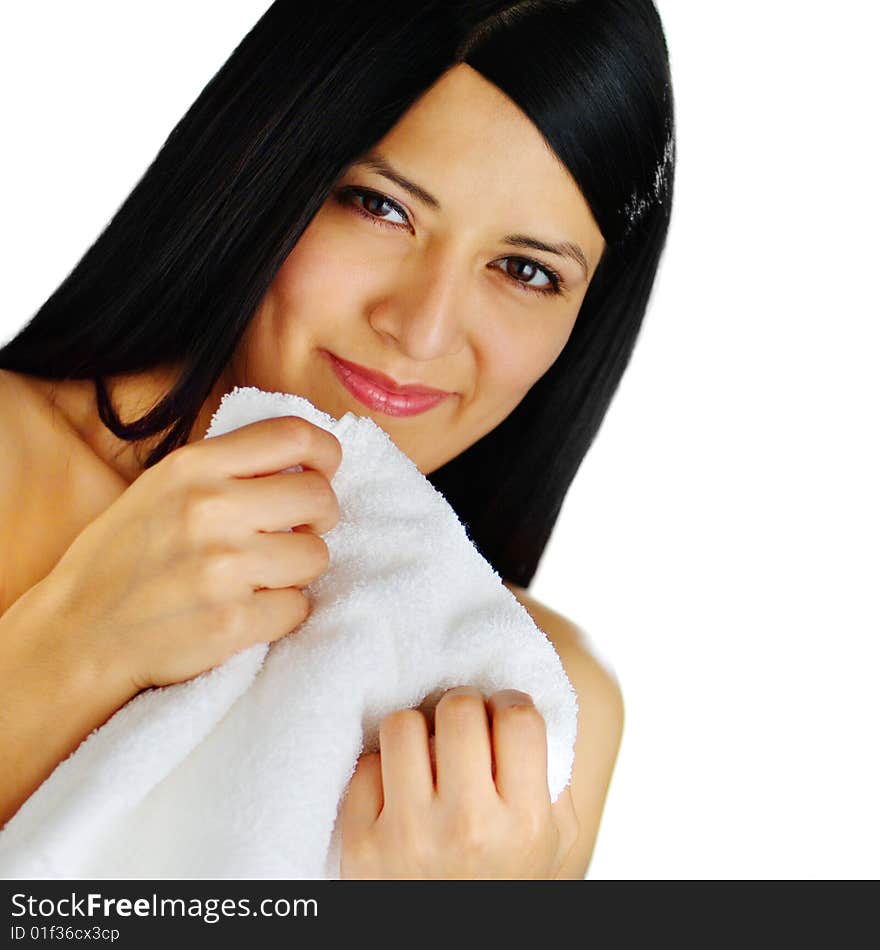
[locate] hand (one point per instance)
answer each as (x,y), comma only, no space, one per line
(468,818)
(192,562)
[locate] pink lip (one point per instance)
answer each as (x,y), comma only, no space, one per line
(379,392)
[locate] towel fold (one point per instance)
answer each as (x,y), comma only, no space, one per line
(239,772)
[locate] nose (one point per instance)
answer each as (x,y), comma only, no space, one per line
(422,310)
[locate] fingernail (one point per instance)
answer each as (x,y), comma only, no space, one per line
(516,697)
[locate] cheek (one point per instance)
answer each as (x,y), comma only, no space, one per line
(306,280)
(512,362)
(321,277)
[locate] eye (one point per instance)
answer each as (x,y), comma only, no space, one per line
(369,205)
(552,284)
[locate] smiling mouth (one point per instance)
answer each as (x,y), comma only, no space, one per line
(370,393)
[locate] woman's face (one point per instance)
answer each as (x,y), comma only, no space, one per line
(429,283)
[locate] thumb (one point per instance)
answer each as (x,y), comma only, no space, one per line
(567,822)
(364,797)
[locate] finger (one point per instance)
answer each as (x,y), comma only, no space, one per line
(273,614)
(285,560)
(281,501)
(268,446)
(407,778)
(519,741)
(462,747)
(566,821)
(364,797)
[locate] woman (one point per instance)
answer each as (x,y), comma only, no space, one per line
(447,218)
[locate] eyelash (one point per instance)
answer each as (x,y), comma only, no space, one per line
(556,281)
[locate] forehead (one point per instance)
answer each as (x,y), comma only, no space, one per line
(473,148)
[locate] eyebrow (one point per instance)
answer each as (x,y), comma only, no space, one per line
(379,164)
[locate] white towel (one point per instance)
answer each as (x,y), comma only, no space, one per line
(239,772)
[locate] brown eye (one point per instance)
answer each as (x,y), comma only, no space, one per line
(522,271)
(373,206)
(517,267)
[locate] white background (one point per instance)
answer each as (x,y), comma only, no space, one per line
(720,544)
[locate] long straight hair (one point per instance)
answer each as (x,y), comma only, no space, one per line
(179,271)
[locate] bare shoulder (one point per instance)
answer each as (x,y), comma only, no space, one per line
(12,469)
(572,648)
(15,408)
(600,724)
(33,508)
(19,405)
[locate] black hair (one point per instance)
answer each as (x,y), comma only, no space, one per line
(180,269)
